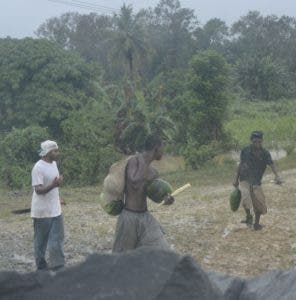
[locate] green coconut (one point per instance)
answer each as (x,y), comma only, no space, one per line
(235,199)
(158,189)
(113,208)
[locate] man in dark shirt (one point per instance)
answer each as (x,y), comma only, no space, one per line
(253,162)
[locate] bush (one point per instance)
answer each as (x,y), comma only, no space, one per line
(18,152)
(197,155)
(88,166)
(87,149)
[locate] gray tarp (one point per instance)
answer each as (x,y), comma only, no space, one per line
(141,275)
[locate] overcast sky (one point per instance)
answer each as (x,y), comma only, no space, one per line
(20,18)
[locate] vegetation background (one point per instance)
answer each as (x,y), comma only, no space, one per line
(99,84)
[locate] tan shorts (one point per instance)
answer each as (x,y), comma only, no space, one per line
(253,196)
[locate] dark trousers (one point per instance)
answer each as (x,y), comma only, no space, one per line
(49,233)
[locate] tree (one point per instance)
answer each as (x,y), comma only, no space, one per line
(40,84)
(85,34)
(18,152)
(128,39)
(141,114)
(88,143)
(170,29)
(213,35)
(59,30)
(263,78)
(207,84)
(263,50)
(204,104)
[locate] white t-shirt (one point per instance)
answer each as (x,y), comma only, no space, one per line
(47,205)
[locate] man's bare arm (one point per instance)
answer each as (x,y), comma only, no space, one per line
(277,178)
(42,190)
(235,182)
(139,173)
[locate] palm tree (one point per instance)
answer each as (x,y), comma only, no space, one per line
(129,37)
(139,117)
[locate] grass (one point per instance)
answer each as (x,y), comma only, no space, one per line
(275,119)
(288,162)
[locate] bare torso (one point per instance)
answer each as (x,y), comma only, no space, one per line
(138,174)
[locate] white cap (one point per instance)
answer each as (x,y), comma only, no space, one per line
(46,147)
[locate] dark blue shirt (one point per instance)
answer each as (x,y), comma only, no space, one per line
(253,164)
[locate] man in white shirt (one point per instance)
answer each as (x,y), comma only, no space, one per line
(46,209)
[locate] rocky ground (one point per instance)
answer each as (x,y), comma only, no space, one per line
(200,223)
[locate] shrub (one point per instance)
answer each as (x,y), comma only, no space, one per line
(87,149)
(18,152)
(197,155)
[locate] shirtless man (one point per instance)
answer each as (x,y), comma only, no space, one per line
(136,227)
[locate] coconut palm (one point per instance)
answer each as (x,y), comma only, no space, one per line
(137,118)
(129,37)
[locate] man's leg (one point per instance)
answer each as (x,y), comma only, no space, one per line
(246,202)
(41,235)
(249,217)
(56,243)
(257,226)
(151,234)
(259,205)
(126,236)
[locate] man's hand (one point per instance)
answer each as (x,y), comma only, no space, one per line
(62,202)
(58,181)
(168,200)
(41,189)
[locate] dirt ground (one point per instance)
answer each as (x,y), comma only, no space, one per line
(200,223)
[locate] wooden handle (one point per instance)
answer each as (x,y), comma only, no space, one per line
(181,189)
(178,191)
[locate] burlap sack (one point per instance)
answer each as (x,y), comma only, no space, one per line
(114,183)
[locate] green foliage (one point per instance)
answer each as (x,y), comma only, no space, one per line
(41,83)
(138,117)
(204,106)
(163,39)
(18,152)
(73,83)
(207,82)
(275,119)
(197,155)
(213,35)
(264,78)
(87,150)
(263,50)
(171,34)
(128,38)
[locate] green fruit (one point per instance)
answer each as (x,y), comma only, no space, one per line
(235,198)
(113,208)
(158,189)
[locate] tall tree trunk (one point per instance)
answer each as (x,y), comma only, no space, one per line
(130,62)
